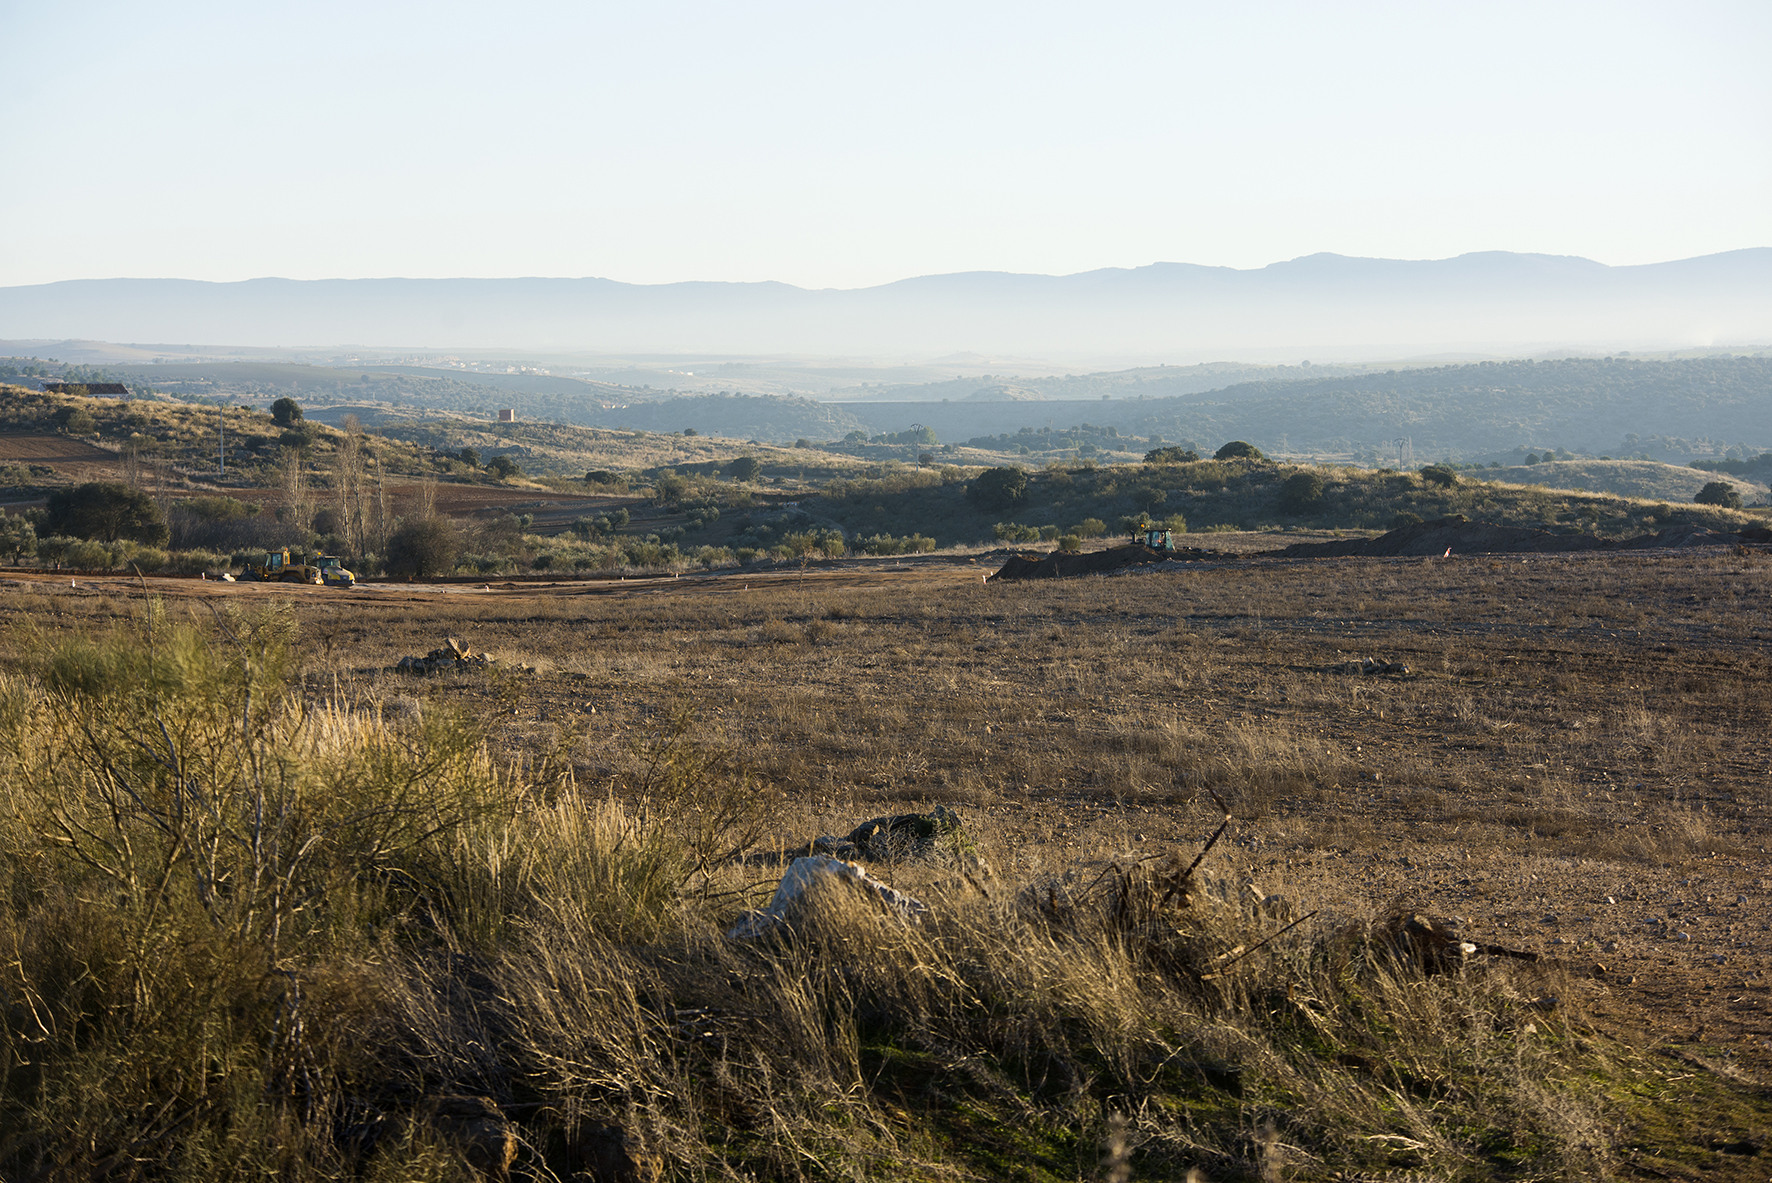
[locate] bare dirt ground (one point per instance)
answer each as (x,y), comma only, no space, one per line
(71,458)
(1576,763)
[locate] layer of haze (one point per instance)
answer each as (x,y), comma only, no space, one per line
(846,145)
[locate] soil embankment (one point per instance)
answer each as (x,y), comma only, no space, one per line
(1452,535)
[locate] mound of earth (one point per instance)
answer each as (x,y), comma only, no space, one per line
(1461,536)
(1095,562)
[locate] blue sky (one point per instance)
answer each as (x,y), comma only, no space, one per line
(848,144)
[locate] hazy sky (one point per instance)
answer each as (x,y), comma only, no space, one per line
(845,144)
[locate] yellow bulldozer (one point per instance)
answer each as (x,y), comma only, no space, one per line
(282,566)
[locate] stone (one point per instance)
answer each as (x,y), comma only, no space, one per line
(476,1127)
(805,874)
(904,835)
(612,1154)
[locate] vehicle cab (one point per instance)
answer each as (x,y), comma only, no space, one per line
(333,572)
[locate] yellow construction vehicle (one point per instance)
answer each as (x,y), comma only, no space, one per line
(281,566)
(333,572)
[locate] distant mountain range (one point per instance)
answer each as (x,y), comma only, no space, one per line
(1336,306)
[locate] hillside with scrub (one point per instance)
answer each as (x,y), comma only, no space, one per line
(453,497)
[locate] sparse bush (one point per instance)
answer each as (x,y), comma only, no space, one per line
(1070,543)
(1172,455)
(1091,528)
(1404,518)
(77,421)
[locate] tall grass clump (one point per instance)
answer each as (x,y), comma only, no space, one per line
(192,858)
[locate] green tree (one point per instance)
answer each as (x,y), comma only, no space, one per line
(503,467)
(1238,450)
(1719,493)
(423,547)
(669,489)
(998,488)
(469,457)
(106,511)
(744,468)
(18,537)
(286,412)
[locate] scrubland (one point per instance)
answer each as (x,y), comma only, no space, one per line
(272,908)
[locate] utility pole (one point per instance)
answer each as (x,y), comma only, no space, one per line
(221,447)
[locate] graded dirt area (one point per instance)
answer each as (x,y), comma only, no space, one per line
(1575,762)
(71,458)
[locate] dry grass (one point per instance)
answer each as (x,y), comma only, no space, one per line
(1574,731)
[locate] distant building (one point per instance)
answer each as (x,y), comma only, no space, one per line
(109,389)
(507,416)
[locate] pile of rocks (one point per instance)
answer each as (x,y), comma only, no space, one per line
(455,656)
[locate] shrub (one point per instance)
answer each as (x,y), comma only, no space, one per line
(1439,474)
(1070,543)
(1171,455)
(79,421)
(1405,518)
(216,509)
(503,467)
(1148,497)
(1302,491)
(1091,528)
(998,488)
(1238,450)
(1720,493)
(744,468)
(286,412)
